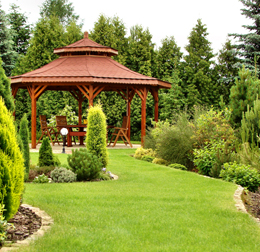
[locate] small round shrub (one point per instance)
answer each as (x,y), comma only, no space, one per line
(178,166)
(86,165)
(148,158)
(63,175)
(140,152)
(160,161)
(41,179)
(242,175)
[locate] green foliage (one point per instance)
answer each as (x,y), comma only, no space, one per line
(5,89)
(46,157)
(4,225)
(160,161)
(141,152)
(96,134)
(11,164)
(178,166)
(242,175)
(242,94)
(86,165)
(35,171)
(41,179)
(148,158)
(63,175)
(24,135)
(199,84)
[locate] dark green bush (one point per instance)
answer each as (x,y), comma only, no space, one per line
(24,135)
(178,166)
(63,175)
(11,164)
(242,175)
(96,134)
(46,157)
(148,158)
(86,165)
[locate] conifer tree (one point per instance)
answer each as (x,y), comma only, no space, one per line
(46,157)
(11,164)
(242,94)
(248,44)
(199,86)
(24,135)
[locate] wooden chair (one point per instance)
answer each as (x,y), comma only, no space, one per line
(47,131)
(121,132)
(60,122)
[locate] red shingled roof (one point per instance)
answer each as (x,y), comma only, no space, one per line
(99,68)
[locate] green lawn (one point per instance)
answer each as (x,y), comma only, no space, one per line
(149,208)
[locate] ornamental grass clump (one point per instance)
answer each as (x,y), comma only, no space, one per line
(96,134)
(86,165)
(11,164)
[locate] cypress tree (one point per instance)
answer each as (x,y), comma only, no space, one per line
(24,134)
(11,164)
(46,157)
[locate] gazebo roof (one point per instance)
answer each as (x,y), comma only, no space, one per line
(85,61)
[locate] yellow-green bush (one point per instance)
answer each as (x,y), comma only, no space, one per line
(160,161)
(11,164)
(140,152)
(96,134)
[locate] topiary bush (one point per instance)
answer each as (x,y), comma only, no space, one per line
(160,161)
(178,166)
(96,134)
(11,164)
(242,175)
(86,165)
(24,135)
(148,158)
(63,175)
(141,152)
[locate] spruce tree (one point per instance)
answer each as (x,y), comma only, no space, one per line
(198,77)
(248,44)
(24,135)
(242,94)
(46,157)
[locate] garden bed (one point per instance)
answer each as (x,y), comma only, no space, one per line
(252,202)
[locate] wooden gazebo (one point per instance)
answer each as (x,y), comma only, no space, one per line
(85,68)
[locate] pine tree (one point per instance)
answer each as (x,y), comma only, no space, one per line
(248,44)
(7,52)
(24,135)
(5,89)
(199,86)
(242,94)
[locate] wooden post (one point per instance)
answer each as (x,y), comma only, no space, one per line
(80,109)
(143,116)
(91,95)
(156,106)
(33,118)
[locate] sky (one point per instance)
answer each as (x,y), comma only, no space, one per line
(163,18)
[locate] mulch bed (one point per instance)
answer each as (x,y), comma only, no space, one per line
(252,202)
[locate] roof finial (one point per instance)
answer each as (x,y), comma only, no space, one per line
(86,34)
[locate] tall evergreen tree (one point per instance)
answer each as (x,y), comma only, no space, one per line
(169,55)
(7,51)
(227,70)
(198,75)
(249,44)
(59,8)
(22,29)
(5,89)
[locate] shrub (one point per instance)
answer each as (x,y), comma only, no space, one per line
(148,158)
(140,152)
(96,134)
(45,153)
(178,166)
(160,161)
(242,175)
(86,165)
(63,175)
(24,135)
(41,179)
(4,225)
(11,164)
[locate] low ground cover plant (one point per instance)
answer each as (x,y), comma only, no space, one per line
(63,175)
(178,166)
(41,179)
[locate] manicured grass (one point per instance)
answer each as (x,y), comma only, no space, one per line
(149,208)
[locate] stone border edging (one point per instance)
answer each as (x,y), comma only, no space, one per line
(240,204)
(47,221)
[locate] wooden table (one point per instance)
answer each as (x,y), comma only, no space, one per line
(80,133)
